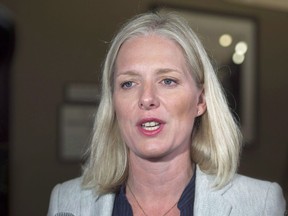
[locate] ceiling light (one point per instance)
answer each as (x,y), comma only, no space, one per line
(238,58)
(225,40)
(241,47)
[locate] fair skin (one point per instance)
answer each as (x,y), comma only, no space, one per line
(156,101)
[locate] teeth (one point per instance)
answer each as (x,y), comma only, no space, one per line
(151,125)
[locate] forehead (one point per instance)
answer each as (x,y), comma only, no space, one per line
(150,38)
(147,48)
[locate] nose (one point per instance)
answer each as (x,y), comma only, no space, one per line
(148,98)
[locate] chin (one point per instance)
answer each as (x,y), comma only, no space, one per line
(156,155)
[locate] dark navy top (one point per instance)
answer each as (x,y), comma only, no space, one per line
(185,204)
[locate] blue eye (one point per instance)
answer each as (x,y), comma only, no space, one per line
(169,82)
(127,84)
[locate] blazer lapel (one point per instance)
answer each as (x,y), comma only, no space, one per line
(87,199)
(92,205)
(104,205)
(209,201)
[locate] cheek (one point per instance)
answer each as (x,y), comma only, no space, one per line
(122,100)
(122,109)
(121,117)
(185,108)
(119,110)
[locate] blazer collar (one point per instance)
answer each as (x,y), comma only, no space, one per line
(210,201)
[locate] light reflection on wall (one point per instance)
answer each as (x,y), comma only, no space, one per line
(241,47)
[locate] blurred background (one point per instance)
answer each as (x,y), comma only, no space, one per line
(51,54)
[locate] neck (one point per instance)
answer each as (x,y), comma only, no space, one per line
(155,179)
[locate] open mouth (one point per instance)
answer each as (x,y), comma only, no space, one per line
(150,126)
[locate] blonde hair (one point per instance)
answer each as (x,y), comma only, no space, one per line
(216,137)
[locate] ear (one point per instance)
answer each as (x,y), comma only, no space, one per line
(201,106)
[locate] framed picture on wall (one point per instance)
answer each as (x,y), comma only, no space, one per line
(76,125)
(76,119)
(230,41)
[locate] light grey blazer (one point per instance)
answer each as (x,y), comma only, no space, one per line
(241,197)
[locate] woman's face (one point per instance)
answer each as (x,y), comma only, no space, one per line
(155,97)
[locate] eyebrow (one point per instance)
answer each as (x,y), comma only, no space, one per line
(127,73)
(158,72)
(167,70)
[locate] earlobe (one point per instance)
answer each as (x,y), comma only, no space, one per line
(201,106)
(201,110)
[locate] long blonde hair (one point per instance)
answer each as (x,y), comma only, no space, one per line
(216,138)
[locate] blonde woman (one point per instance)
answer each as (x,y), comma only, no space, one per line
(165,142)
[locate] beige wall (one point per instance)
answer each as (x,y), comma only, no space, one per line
(59,42)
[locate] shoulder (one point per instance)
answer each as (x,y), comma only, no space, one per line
(241,196)
(244,183)
(255,188)
(70,198)
(69,188)
(248,193)
(66,197)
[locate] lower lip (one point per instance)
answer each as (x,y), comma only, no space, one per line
(149,132)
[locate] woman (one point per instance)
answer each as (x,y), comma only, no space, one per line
(165,142)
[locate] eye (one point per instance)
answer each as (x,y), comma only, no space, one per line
(169,82)
(127,84)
